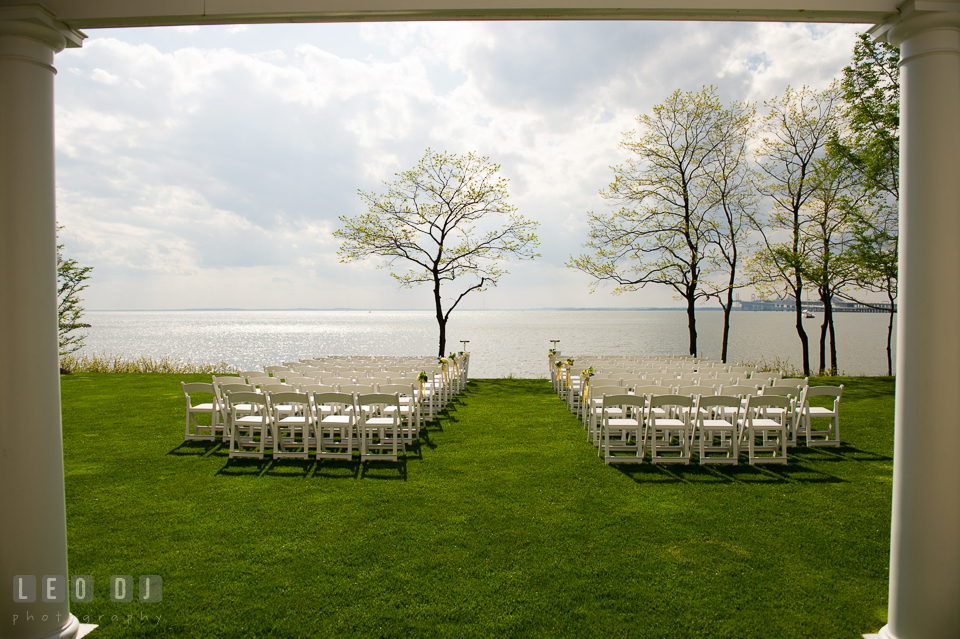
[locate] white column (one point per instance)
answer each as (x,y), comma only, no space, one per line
(33,538)
(925,537)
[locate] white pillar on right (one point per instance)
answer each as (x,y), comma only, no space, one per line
(925,536)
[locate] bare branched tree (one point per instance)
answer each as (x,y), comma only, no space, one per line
(427,221)
(661,234)
(797,128)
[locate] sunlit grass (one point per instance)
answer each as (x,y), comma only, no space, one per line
(502,523)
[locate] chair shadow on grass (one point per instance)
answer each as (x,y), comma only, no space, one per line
(194,448)
(425,441)
(290,467)
(742,473)
(337,468)
(843,453)
(245,467)
(377,469)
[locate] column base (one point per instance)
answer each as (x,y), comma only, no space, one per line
(883,633)
(85,629)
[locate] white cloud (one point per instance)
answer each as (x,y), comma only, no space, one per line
(185,161)
(104,77)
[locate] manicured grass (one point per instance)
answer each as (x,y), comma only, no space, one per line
(503,523)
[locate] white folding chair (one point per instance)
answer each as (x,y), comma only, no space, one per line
(668,437)
(292,424)
(831,435)
(336,426)
(765,434)
(621,422)
(249,423)
(409,408)
(193,429)
(716,429)
(379,426)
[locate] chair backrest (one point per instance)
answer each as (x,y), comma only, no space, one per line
(228,380)
(288,397)
(333,399)
(246,397)
(196,387)
(237,388)
(299,381)
(782,391)
(741,390)
(273,370)
(357,388)
(741,369)
(682,401)
(378,401)
(719,401)
(317,388)
(762,379)
(729,377)
(651,389)
(400,389)
(246,374)
(336,381)
(793,381)
(624,400)
(599,390)
(692,390)
(825,391)
(768,401)
(616,377)
(277,387)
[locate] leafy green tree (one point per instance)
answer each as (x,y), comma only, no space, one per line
(796,131)
(828,223)
(662,233)
(871,94)
(71,281)
(427,221)
(875,246)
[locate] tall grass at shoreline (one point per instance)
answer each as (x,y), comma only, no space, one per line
(104,363)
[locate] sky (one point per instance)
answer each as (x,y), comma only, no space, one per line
(207,167)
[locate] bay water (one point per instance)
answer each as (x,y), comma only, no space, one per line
(502,342)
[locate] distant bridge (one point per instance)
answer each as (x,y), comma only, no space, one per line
(789,305)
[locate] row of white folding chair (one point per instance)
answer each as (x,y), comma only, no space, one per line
(408,392)
(772,421)
(668,427)
(592,405)
(293,423)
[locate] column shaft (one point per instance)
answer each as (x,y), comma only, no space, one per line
(32,513)
(925,541)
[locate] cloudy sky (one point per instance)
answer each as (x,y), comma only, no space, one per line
(206,167)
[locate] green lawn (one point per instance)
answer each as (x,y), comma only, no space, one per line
(503,523)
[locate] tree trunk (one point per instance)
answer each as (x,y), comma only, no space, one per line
(804,342)
(441,320)
(890,335)
(828,315)
(692,322)
(728,307)
(823,337)
(726,325)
